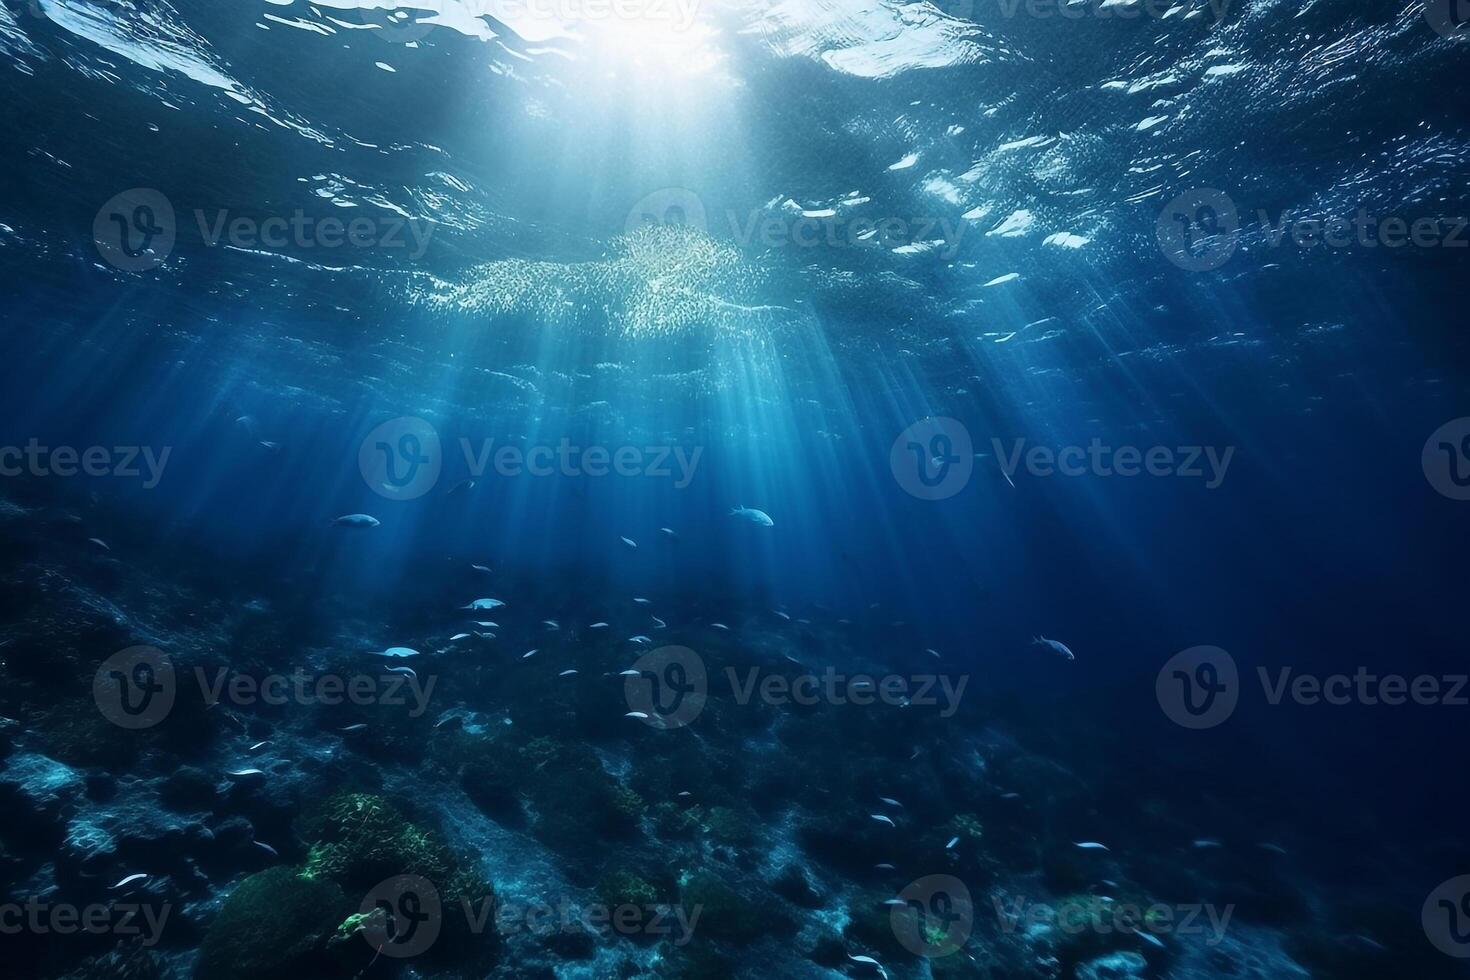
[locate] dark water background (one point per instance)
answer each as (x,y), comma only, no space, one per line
(1325,548)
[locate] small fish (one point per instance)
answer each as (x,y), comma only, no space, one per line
(405,671)
(932,652)
(869,961)
(640,639)
(640,600)
(99,543)
(668,532)
(482,568)
(484,604)
(598,626)
(757,517)
(244,773)
(636,714)
(890,801)
(460,487)
(883,819)
(633,545)
(951,845)
(1148,937)
(530,653)
(359,727)
(1205,843)
(1059,648)
(884,867)
(659,624)
(266,847)
(129,880)
(630,673)
(1091,845)
(485,636)
(565,673)
(459,636)
(896,903)
(397,653)
(551,624)
(685,794)
(487,625)
(258,746)
(785,616)
(719,626)
(1010,796)
(1273,848)
(357,521)
(269,446)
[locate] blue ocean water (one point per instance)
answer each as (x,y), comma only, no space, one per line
(848,336)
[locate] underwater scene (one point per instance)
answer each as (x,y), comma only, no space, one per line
(734,489)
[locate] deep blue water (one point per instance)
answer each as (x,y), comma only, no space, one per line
(583,187)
